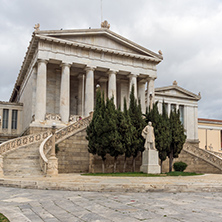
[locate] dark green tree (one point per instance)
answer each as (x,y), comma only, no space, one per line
(161,130)
(95,130)
(139,123)
(128,130)
(178,137)
(113,139)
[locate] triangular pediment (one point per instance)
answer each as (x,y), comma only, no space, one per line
(177,92)
(103,38)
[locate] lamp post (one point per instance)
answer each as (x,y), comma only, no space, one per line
(52,169)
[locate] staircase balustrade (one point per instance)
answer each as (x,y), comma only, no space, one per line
(60,135)
(206,155)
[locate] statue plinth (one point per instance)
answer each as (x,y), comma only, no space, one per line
(52,166)
(150,162)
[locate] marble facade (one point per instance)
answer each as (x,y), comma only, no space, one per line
(176,97)
(62,68)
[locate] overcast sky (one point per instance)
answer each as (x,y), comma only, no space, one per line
(189,33)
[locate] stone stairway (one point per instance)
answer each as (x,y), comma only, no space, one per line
(23,161)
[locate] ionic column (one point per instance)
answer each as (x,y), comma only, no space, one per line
(112,86)
(177,107)
(65,92)
(40,107)
(81,94)
(89,92)
(169,109)
(150,93)
(141,95)
(133,81)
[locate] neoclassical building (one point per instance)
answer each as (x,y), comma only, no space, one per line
(176,97)
(62,68)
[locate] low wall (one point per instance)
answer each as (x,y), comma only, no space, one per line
(73,157)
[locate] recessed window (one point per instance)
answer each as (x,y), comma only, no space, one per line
(5,119)
(14,118)
(181,109)
(173,107)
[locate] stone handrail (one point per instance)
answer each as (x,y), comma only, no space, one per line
(206,155)
(216,153)
(22,141)
(60,135)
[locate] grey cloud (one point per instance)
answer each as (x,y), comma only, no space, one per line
(188,33)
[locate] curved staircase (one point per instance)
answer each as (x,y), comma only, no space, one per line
(212,159)
(28,155)
(20,157)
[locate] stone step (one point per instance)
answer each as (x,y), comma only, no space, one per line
(23,161)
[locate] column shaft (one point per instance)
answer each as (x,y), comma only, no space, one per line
(112,86)
(89,92)
(141,96)
(40,108)
(133,81)
(65,93)
(150,93)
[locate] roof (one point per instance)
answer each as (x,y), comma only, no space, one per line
(176,92)
(215,121)
(58,37)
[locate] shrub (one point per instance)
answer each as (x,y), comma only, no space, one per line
(179,166)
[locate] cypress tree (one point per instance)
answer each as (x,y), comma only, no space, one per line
(95,130)
(138,122)
(128,130)
(161,130)
(113,138)
(178,137)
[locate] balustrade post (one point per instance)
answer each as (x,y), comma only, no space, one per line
(52,169)
(1,166)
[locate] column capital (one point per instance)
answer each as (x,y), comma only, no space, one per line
(112,71)
(151,78)
(42,61)
(65,64)
(133,75)
(90,68)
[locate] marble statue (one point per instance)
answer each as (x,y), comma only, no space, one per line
(148,134)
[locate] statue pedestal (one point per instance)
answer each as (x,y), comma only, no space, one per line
(150,162)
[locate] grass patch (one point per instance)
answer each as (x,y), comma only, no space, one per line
(140,174)
(178,173)
(3,218)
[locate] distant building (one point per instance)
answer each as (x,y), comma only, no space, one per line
(210,134)
(176,97)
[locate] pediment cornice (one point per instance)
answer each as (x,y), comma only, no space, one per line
(97,48)
(182,93)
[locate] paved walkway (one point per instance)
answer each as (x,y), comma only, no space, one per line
(76,182)
(25,205)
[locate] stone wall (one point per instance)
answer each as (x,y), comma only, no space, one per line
(73,156)
(97,164)
(194,163)
(53,89)
(34,130)
(74,84)
(26,97)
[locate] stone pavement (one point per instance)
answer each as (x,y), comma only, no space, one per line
(25,205)
(76,182)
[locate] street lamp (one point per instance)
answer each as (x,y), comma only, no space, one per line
(53,139)
(52,169)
